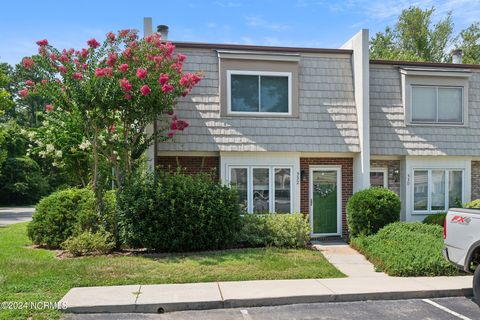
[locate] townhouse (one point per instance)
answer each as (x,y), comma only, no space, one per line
(302,129)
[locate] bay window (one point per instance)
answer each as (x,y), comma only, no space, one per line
(263,188)
(437,189)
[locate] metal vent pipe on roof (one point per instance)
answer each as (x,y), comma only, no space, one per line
(457,56)
(163,30)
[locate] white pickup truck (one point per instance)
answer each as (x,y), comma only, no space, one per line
(461,234)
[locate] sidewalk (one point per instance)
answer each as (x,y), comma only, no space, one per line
(362,283)
(214,295)
(12,215)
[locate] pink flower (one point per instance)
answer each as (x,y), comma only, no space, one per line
(145,90)
(181,125)
(48,107)
(53,57)
(173,125)
(27,63)
(23,93)
(99,73)
(44,81)
(42,42)
(177,67)
(123,67)
(84,66)
(181,57)
(84,53)
(184,93)
(108,71)
(112,128)
(70,51)
(127,53)
(111,36)
(170,112)
(77,75)
(127,96)
(167,88)
(126,86)
(30,83)
(93,43)
(158,59)
(170,135)
(163,79)
(123,33)
(112,57)
(141,73)
(188,80)
(64,58)
(62,69)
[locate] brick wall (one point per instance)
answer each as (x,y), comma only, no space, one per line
(475,180)
(347,183)
(392,165)
(190,165)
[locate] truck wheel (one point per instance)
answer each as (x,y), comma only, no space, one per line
(476,285)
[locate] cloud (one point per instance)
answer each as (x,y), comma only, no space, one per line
(228,4)
(259,22)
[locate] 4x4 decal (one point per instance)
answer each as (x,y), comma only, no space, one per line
(461,220)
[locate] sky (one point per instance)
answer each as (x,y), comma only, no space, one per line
(305,23)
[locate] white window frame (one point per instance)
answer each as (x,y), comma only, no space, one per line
(436,104)
(259,74)
(385,175)
(271,183)
(429,188)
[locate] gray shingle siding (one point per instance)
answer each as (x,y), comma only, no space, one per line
(327,119)
(390,136)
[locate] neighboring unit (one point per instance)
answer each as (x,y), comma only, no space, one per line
(301,129)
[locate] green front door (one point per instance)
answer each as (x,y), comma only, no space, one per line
(325,201)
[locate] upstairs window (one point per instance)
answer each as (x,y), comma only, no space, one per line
(259,92)
(437,104)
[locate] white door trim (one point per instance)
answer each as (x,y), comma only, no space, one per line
(338,169)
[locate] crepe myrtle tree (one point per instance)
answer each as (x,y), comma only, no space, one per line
(113,90)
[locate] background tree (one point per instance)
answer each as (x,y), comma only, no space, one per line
(414,38)
(469,42)
(6,101)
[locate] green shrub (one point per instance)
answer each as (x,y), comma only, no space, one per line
(371,209)
(406,249)
(68,213)
(279,230)
(437,218)
(21,181)
(89,243)
(475,204)
(175,212)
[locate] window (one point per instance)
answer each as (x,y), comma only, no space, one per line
(379,178)
(259,92)
(263,188)
(437,189)
(437,104)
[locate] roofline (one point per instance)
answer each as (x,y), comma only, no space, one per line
(202,45)
(426,64)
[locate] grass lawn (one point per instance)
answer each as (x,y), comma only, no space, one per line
(37,275)
(406,249)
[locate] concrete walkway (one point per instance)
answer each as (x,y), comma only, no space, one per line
(11,215)
(347,260)
(214,295)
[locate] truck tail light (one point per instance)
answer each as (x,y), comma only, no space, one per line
(445,228)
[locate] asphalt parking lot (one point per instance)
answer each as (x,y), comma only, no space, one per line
(417,309)
(11,215)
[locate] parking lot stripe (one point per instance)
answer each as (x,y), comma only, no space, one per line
(456,314)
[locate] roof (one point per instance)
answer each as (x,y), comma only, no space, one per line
(226,46)
(426,64)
